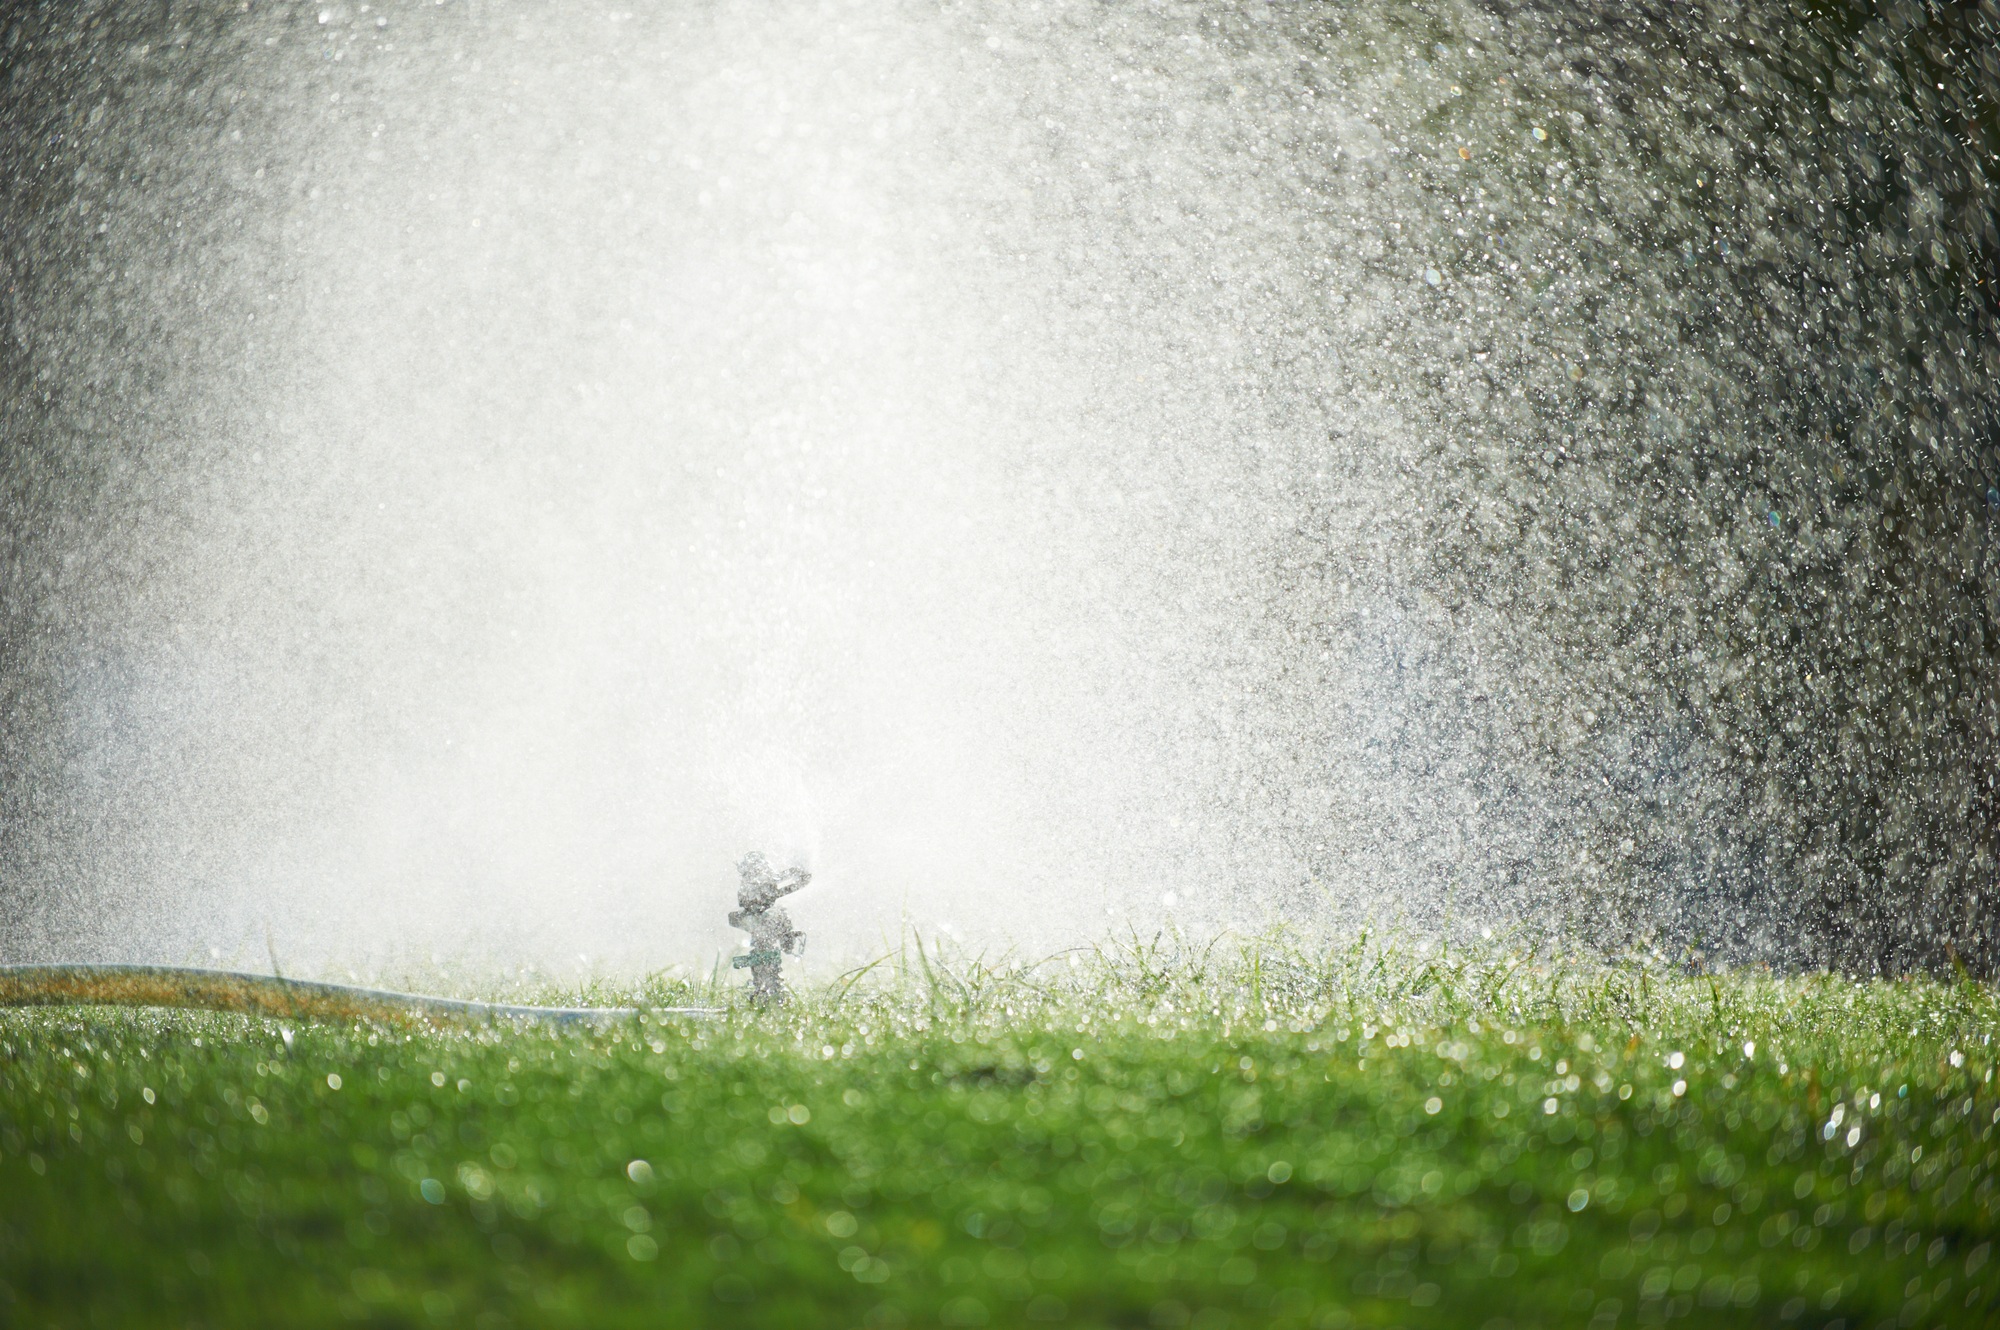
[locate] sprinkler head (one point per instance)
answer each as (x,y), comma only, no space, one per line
(771,933)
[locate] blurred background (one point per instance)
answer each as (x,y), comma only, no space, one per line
(474,469)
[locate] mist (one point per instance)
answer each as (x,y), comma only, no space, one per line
(480,468)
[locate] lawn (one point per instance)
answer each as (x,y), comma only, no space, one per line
(1258,1134)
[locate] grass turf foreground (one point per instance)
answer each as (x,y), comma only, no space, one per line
(1373,1138)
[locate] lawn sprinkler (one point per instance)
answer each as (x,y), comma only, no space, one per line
(771,933)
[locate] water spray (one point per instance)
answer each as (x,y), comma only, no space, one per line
(772,936)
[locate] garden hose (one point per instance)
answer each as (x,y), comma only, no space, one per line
(273,996)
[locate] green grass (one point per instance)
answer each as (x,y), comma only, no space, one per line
(1276,1137)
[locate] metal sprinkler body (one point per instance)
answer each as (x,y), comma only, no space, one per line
(772,936)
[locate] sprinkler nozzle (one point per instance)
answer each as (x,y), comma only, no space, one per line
(772,936)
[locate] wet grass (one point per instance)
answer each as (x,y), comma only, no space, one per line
(1155,1135)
